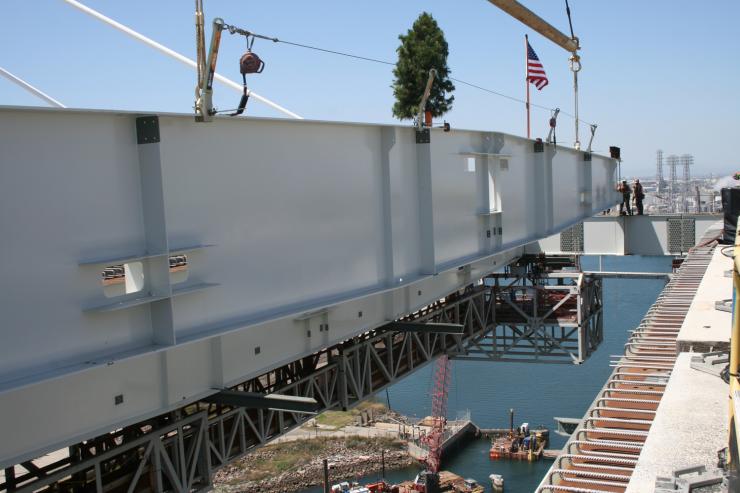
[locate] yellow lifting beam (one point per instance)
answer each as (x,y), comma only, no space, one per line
(529,18)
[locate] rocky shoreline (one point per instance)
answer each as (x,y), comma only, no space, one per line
(348,459)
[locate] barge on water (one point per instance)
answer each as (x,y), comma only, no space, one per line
(522,444)
(448,482)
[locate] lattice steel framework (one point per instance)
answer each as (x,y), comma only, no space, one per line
(659,180)
(681,234)
(571,239)
(672,161)
(687,160)
(168,453)
(505,318)
(435,438)
(553,318)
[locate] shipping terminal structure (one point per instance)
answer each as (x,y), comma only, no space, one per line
(180,291)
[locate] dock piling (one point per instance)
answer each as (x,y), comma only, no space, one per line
(326,476)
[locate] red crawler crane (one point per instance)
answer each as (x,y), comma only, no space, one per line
(435,438)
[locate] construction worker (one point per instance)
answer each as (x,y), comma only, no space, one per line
(626,191)
(639,195)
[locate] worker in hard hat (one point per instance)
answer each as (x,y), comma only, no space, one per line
(639,195)
(626,191)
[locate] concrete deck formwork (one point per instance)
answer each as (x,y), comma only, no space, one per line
(639,420)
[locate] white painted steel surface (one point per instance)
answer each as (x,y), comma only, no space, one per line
(311,223)
(627,235)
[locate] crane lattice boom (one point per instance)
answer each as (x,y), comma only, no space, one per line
(439,412)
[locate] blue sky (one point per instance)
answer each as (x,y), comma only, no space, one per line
(656,73)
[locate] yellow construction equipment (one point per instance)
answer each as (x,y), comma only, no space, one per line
(734,398)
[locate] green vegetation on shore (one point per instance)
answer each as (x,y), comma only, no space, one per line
(278,458)
(339,419)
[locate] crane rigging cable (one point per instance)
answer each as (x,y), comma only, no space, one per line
(570,22)
(244,32)
(575,67)
(572,44)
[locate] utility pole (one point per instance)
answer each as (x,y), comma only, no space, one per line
(511,422)
(326,476)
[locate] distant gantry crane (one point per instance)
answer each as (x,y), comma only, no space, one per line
(672,182)
(678,190)
(687,160)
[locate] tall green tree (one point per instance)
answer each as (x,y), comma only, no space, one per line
(422,48)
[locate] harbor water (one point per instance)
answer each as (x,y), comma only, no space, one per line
(537,392)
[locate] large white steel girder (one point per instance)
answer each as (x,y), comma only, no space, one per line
(298,235)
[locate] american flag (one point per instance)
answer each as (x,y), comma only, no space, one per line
(535,70)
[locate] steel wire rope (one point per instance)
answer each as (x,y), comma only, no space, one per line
(570,22)
(236,30)
(575,67)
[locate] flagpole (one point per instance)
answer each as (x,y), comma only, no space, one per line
(526,76)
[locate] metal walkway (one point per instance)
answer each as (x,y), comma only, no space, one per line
(603,451)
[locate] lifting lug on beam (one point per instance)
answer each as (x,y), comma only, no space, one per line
(593,127)
(551,138)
